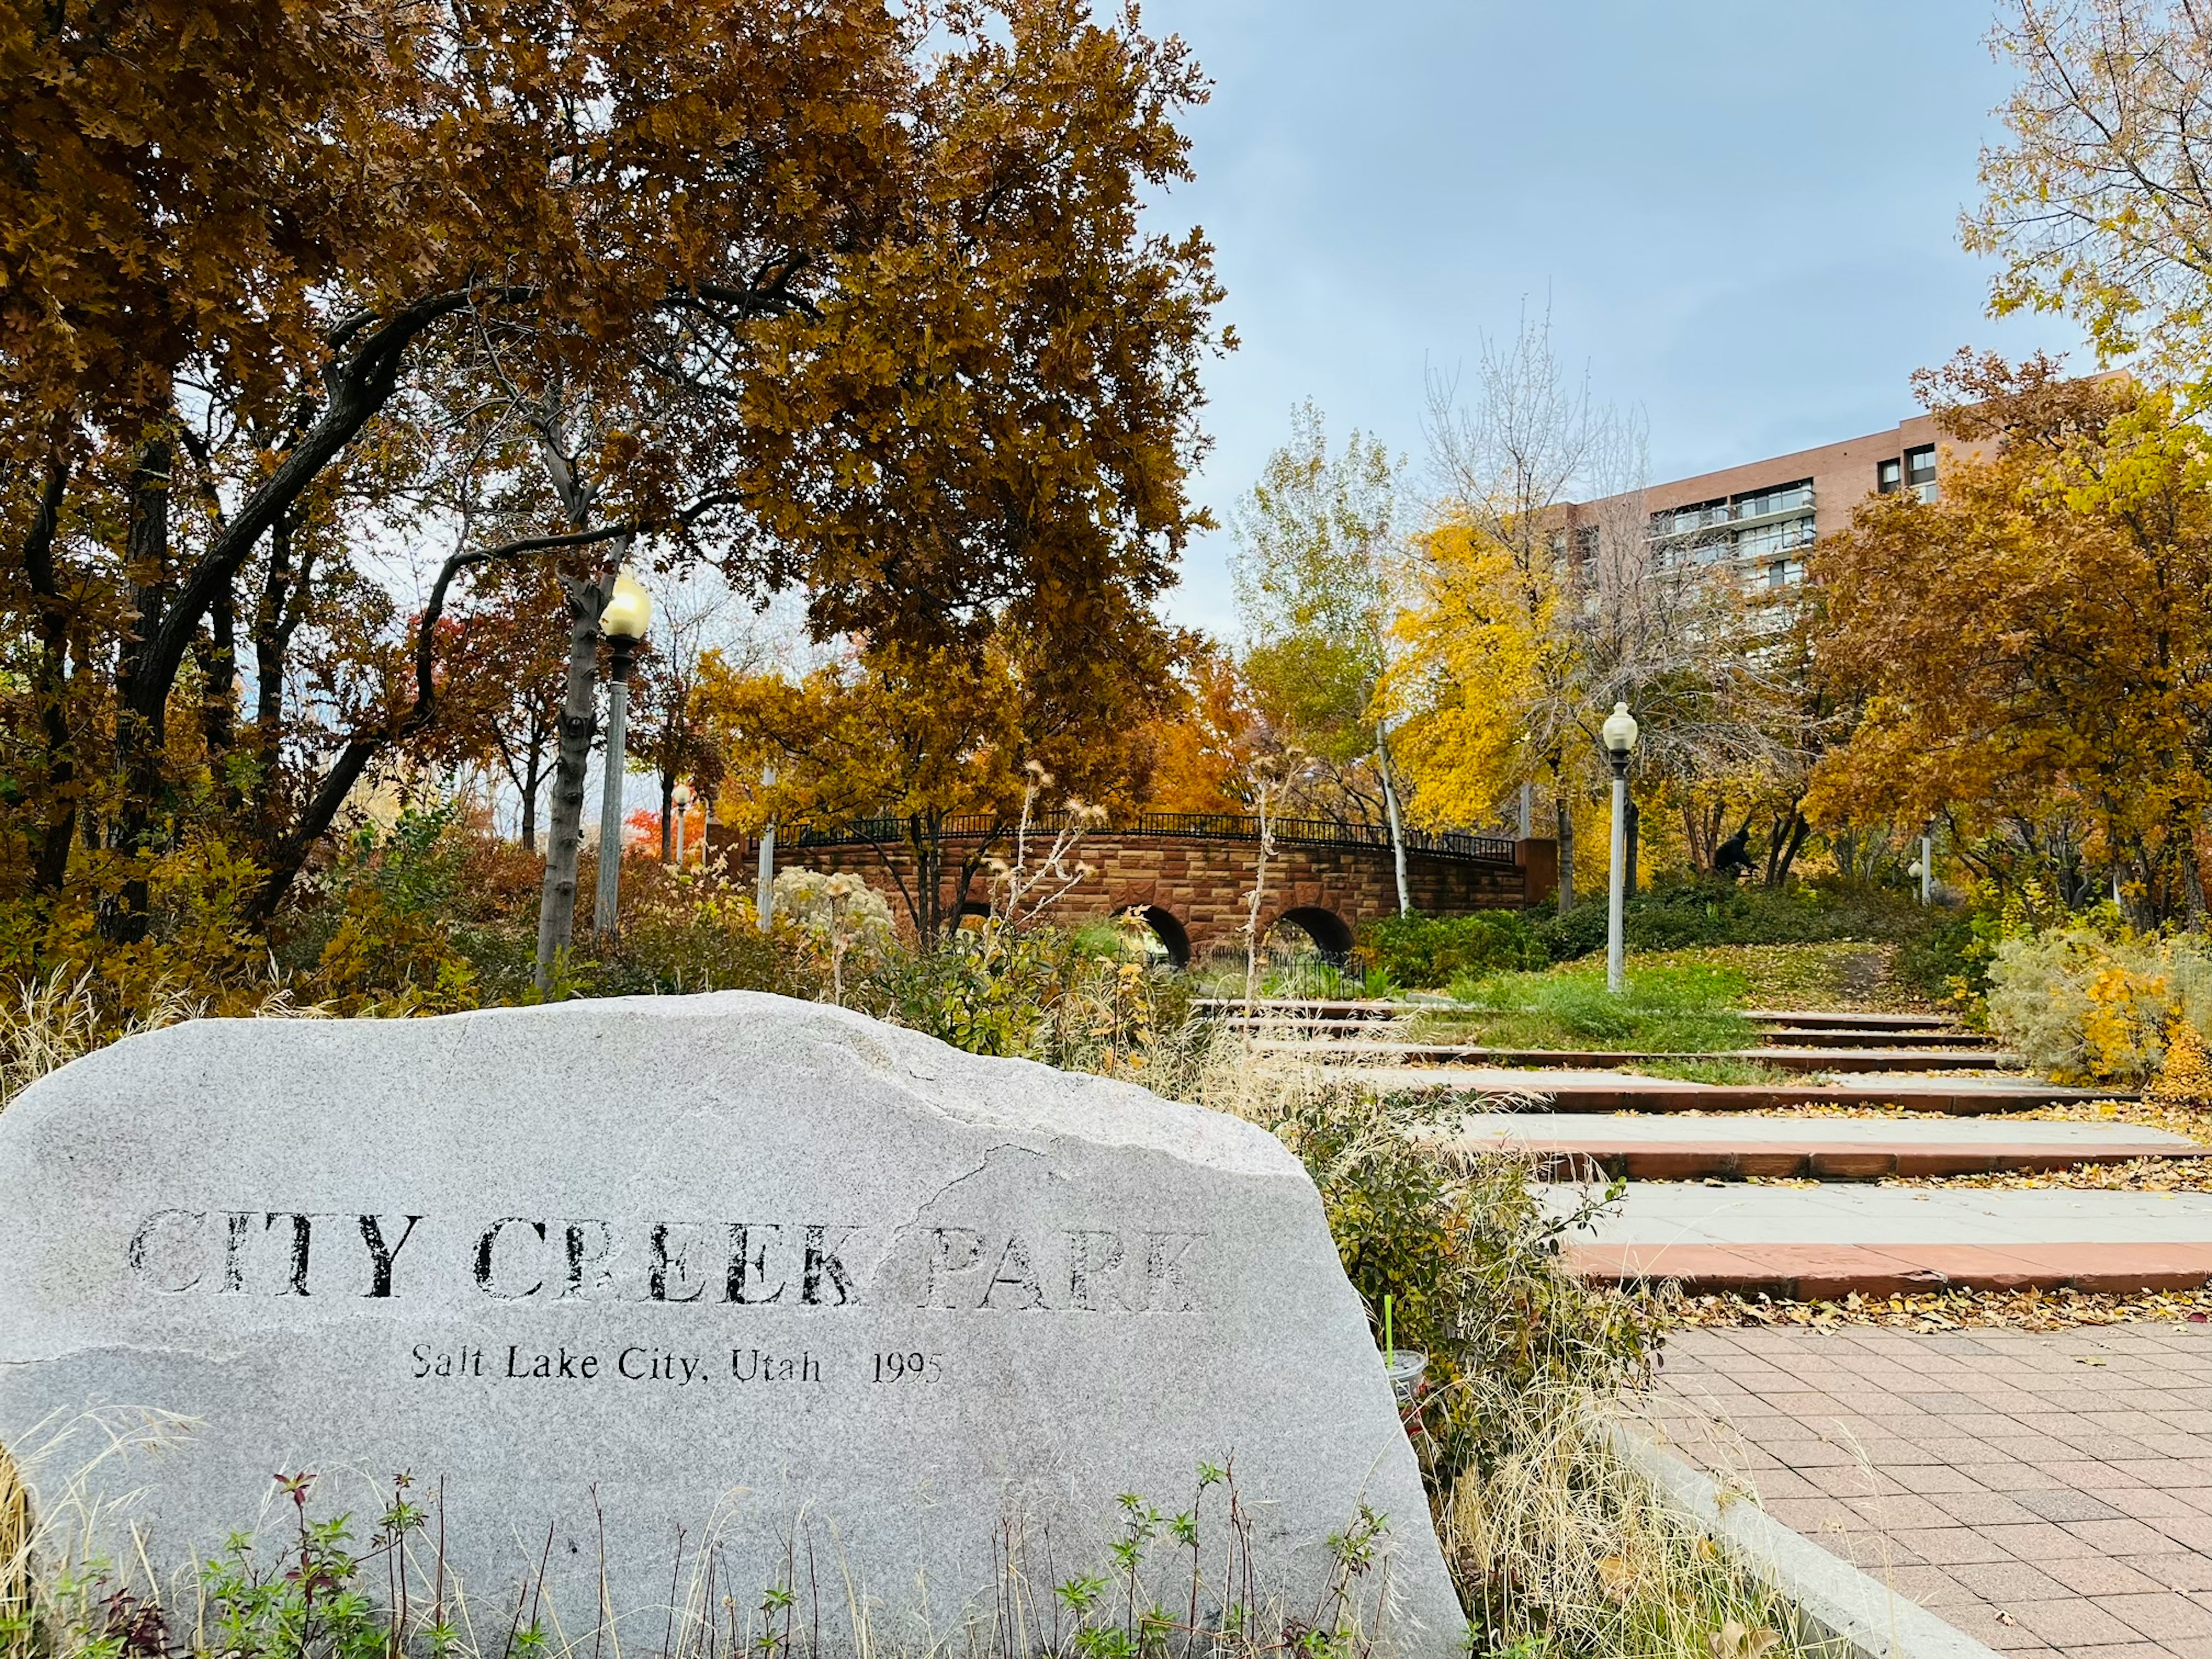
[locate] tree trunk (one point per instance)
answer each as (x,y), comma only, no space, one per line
(1566,816)
(1782,847)
(530,803)
(142,692)
(50,686)
(1397,829)
(667,806)
(926,839)
(556,903)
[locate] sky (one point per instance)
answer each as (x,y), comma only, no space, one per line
(1743,217)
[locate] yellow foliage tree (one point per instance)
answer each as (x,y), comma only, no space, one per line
(2035,647)
(1479,650)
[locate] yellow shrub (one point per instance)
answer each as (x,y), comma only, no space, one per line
(2089,1006)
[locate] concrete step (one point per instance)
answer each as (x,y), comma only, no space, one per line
(1371,1053)
(1848,1019)
(1570,1090)
(1582,1145)
(1826,1037)
(1824,1242)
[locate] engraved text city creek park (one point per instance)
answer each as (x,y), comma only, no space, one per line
(578,1259)
(570,1262)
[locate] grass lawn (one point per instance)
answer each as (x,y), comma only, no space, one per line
(1838,974)
(1665,1009)
(1677,1002)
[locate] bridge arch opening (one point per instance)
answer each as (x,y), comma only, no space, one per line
(1330,934)
(1174,937)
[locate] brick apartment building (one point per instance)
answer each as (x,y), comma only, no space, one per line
(1762,515)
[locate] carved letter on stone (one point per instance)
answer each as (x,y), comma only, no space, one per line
(1092,1256)
(748,1272)
(236,1223)
(602,1251)
(822,1262)
(662,1266)
(380,1258)
(162,1249)
(957,1251)
(1015,1276)
(303,1234)
(1168,1286)
(488,1244)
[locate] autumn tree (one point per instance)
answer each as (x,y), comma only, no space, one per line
(743,284)
(1195,754)
(2099,202)
(1532,613)
(239,216)
(1316,592)
(943,742)
(2035,648)
(504,712)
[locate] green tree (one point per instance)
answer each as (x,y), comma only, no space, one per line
(1317,555)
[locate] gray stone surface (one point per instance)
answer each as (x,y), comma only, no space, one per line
(757,1270)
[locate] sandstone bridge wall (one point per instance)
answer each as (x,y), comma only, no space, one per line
(1191,878)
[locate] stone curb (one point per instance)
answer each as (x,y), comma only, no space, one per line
(1569,1091)
(1581,1160)
(1364,1051)
(1825,1272)
(1834,1602)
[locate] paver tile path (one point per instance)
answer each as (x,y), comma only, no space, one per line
(2046,1492)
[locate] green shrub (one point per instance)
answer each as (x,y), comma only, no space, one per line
(2091,1001)
(1709,911)
(1428,951)
(1658,1011)
(686,933)
(1083,1001)
(1947,961)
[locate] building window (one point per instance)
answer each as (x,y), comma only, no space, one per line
(1779,498)
(1774,538)
(1889,476)
(1688,520)
(1920,471)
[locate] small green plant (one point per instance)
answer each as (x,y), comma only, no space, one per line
(1688,1010)
(1427,953)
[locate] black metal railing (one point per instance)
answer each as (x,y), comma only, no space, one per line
(1189,826)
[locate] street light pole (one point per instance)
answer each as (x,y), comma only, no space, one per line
(764,886)
(1620,734)
(681,798)
(622,624)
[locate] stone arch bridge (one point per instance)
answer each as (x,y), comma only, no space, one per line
(1190,875)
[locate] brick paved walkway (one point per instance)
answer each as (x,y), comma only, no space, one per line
(2043,1492)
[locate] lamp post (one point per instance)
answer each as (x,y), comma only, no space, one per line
(1620,734)
(680,795)
(628,612)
